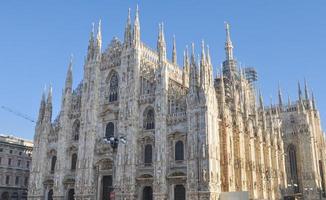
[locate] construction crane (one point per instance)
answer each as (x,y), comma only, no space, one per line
(19,114)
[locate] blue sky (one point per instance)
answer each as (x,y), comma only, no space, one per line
(284,40)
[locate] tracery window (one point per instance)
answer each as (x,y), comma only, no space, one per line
(148,159)
(149,119)
(73,161)
(179,151)
(114,87)
(53,161)
(75,130)
(109,131)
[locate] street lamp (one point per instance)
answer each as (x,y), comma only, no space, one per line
(114,141)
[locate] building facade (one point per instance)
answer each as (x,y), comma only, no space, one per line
(188,135)
(15,164)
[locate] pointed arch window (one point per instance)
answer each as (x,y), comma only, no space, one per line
(149,119)
(114,87)
(148,155)
(73,161)
(109,131)
(75,130)
(179,151)
(53,162)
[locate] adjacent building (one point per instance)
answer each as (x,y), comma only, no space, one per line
(190,135)
(15,164)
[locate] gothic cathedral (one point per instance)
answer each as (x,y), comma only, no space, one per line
(141,127)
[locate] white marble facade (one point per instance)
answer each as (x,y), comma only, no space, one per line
(189,135)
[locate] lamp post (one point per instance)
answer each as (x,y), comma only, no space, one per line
(293,187)
(114,142)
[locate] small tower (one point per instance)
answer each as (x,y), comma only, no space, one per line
(229,65)
(299,91)
(41,110)
(136,31)
(222,90)
(203,66)
(161,45)
(68,84)
(185,71)
(91,47)
(193,76)
(280,98)
(128,34)
(174,51)
(306,90)
(228,43)
(98,44)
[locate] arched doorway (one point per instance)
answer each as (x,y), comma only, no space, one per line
(71,194)
(5,196)
(147,193)
(179,192)
(50,195)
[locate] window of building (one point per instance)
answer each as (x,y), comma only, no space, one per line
(75,130)
(179,151)
(14,195)
(148,155)
(71,194)
(7,179)
(17,180)
(53,161)
(1,149)
(73,161)
(9,161)
(10,151)
(114,87)
(5,196)
(20,153)
(18,163)
(50,195)
(293,166)
(109,131)
(147,193)
(0,160)
(27,164)
(149,119)
(26,181)
(24,196)
(179,192)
